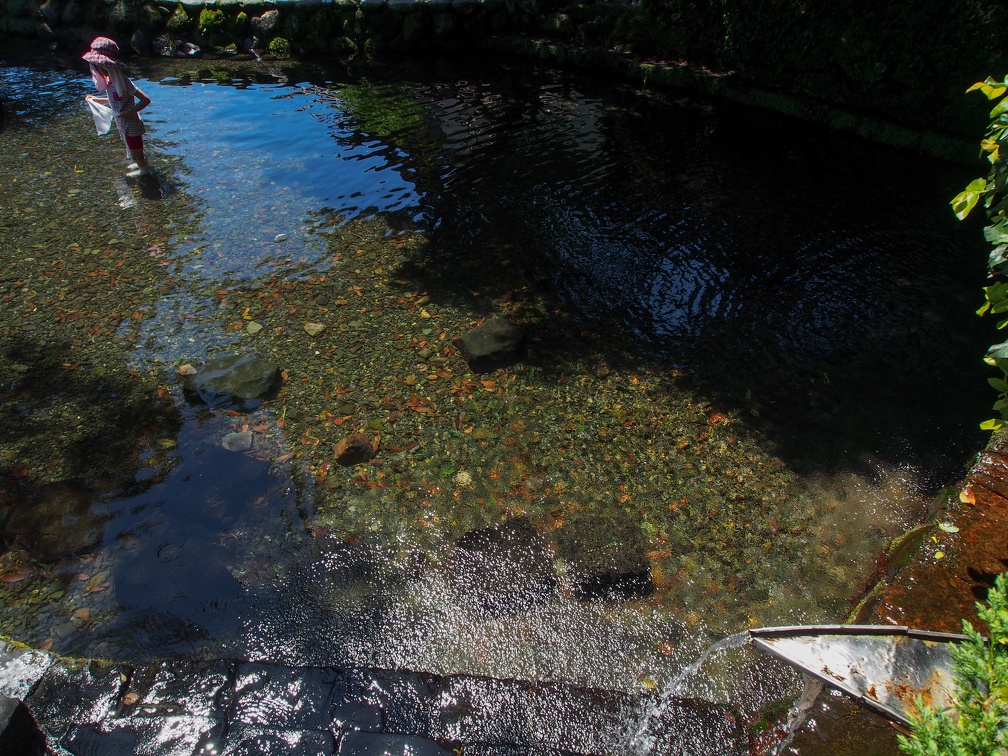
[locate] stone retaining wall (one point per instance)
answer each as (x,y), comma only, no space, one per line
(305,27)
(901,65)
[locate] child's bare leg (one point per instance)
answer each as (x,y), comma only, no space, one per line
(139,165)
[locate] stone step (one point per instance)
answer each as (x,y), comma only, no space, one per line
(230,707)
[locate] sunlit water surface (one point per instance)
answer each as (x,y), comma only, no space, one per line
(813,285)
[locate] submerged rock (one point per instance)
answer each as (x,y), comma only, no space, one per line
(239,441)
(504,569)
(241,380)
(607,556)
(494,344)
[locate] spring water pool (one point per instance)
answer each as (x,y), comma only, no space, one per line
(752,361)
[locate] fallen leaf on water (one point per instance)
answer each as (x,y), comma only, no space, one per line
(948,527)
(130,698)
(966,496)
(939,554)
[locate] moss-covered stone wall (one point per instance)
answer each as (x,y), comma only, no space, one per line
(306,27)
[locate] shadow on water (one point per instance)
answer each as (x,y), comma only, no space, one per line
(791,272)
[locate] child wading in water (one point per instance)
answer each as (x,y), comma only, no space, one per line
(122,97)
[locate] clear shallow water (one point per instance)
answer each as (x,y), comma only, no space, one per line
(751,341)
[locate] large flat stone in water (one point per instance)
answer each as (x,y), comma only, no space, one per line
(242,380)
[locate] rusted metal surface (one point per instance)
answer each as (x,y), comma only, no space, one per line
(884,667)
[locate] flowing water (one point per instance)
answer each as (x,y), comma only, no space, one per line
(752,360)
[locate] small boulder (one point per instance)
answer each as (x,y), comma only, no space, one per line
(19,733)
(353,450)
(52,13)
(606,554)
(164,46)
(266,24)
(494,344)
(139,43)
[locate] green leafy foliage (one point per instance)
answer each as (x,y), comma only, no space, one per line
(979,724)
(279,47)
(992,192)
(211,20)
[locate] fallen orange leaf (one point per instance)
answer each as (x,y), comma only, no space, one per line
(15,577)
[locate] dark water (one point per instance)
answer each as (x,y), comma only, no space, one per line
(814,288)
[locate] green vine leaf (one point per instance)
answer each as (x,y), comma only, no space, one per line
(998,256)
(1000,109)
(990,87)
(998,384)
(997,353)
(998,233)
(966,200)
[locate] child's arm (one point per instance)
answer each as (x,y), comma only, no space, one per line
(144,100)
(96,98)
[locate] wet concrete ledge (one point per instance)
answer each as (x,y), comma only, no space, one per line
(229,707)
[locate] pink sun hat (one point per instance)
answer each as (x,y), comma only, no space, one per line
(104,52)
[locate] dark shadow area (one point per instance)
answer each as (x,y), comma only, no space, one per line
(813,284)
(983,580)
(91,421)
